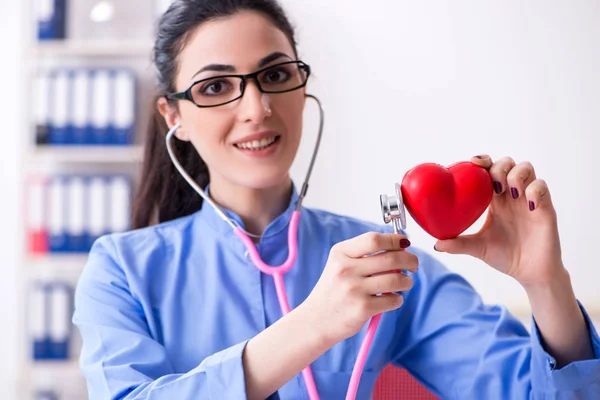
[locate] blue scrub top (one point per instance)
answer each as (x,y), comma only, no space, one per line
(165,312)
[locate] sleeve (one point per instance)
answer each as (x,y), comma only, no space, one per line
(460,348)
(120,359)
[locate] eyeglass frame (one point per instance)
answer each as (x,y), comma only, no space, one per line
(187,94)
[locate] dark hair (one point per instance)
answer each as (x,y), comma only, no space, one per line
(164,195)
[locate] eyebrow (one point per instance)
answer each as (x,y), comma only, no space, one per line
(230,68)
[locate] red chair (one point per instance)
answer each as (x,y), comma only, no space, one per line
(397,384)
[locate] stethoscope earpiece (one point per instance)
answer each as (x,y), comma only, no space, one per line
(393,210)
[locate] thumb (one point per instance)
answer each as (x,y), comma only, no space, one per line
(471,245)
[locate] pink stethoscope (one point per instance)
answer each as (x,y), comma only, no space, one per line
(390,209)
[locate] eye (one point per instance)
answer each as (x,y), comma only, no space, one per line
(276,75)
(215,87)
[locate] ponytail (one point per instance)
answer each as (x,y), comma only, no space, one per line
(163,194)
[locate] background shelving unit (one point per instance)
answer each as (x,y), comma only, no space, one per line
(83,46)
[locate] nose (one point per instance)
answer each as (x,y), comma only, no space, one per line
(254,106)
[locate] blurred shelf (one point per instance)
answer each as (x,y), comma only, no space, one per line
(70,366)
(88,154)
(51,265)
(97,48)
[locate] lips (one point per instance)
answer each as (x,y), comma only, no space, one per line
(257,136)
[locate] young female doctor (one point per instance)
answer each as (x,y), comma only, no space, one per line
(178,310)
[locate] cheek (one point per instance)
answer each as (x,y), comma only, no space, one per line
(293,117)
(207,130)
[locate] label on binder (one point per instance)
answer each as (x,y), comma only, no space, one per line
(42,107)
(60,109)
(124,113)
(97,213)
(81,109)
(56,226)
(101,106)
(76,214)
(119,204)
(60,306)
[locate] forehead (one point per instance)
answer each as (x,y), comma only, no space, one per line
(240,40)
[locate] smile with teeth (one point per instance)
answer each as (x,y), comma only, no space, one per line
(257,144)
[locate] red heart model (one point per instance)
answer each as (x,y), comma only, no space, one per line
(447,201)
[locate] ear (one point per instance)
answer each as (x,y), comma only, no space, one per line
(172,118)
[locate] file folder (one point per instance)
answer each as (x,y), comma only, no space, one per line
(124,109)
(98,210)
(51,19)
(80,112)
(76,215)
(119,203)
(37,231)
(59,110)
(60,323)
(101,106)
(56,227)
(41,98)
(38,322)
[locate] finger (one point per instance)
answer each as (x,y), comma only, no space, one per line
(483,160)
(499,171)
(519,178)
(372,242)
(538,195)
(386,262)
(386,302)
(472,245)
(388,283)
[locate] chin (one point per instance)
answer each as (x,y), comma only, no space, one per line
(265,180)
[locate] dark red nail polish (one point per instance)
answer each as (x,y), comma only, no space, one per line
(497,187)
(480,157)
(404,243)
(531,206)
(435,248)
(514,192)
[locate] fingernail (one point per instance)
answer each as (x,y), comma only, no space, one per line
(531,206)
(497,187)
(514,192)
(435,248)
(480,157)
(404,243)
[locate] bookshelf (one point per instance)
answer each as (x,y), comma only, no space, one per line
(61,379)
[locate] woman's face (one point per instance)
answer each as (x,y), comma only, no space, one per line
(236,139)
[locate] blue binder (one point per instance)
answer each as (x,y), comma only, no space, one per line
(60,106)
(76,200)
(120,198)
(102,109)
(42,107)
(124,100)
(80,115)
(51,18)
(38,318)
(57,235)
(61,308)
(97,220)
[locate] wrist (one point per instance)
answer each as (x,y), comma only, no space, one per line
(309,319)
(316,325)
(558,279)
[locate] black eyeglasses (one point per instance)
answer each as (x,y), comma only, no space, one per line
(224,89)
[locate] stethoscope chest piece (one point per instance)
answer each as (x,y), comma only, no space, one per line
(393,210)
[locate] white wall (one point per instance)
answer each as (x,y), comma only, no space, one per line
(10,156)
(407,82)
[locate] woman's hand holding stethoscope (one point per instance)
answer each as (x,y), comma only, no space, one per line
(520,234)
(359,282)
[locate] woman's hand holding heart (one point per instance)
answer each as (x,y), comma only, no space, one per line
(520,238)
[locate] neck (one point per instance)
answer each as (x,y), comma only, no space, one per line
(256,207)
